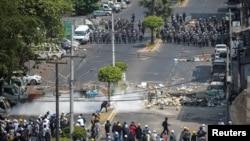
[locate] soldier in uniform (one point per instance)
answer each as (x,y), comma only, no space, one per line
(95,36)
(140,36)
(98,37)
(129,36)
(91,37)
(133,17)
(134,36)
(109,37)
(119,37)
(116,37)
(124,36)
(139,25)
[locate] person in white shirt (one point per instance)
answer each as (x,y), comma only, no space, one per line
(154,136)
(221,122)
(81,121)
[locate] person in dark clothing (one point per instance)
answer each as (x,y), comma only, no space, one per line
(105,105)
(133,17)
(138,132)
(107,128)
(194,136)
(165,126)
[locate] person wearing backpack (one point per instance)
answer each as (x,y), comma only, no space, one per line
(165,126)
(186,135)
(201,133)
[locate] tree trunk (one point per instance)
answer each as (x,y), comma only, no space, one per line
(152,36)
(153,7)
(109,92)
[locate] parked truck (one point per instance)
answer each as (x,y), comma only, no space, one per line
(13,93)
(5,107)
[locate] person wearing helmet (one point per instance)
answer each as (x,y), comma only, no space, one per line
(194,136)
(186,134)
(201,133)
(145,129)
(230,122)
(172,136)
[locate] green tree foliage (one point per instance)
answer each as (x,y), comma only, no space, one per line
(50,13)
(84,7)
(122,65)
(23,22)
(109,74)
(152,22)
(160,8)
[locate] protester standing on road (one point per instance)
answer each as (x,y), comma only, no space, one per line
(186,135)
(201,134)
(165,126)
(138,132)
(107,128)
(172,136)
(194,136)
(154,136)
(132,128)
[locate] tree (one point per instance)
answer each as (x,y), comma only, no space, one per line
(83,7)
(152,22)
(122,65)
(50,13)
(24,22)
(160,8)
(109,74)
(15,29)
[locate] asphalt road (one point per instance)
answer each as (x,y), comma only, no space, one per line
(153,66)
(159,66)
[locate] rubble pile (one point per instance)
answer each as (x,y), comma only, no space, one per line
(193,99)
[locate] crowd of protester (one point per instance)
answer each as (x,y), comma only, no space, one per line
(136,132)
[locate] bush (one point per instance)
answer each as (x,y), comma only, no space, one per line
(79,132)
(61,139)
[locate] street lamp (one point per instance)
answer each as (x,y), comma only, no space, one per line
(113,41)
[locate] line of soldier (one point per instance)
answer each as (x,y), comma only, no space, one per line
(203,33)
(125,32)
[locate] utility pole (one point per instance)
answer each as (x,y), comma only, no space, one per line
(229,67)
(113,41)
(57,98)
(71,85)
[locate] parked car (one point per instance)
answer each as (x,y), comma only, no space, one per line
(128,1)
(220,48)
(66,44)
(32,79)
(116,7)
(122,3)
(105,7)
(102,13)
(48,51)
